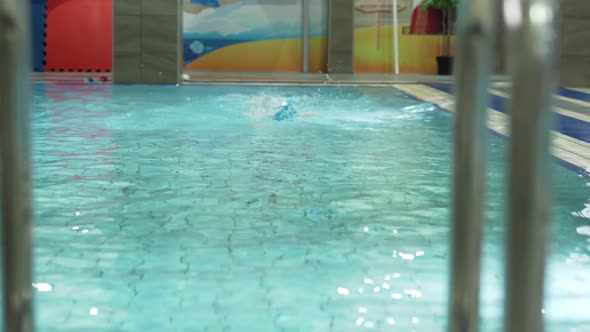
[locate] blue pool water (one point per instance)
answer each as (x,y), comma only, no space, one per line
(190,209)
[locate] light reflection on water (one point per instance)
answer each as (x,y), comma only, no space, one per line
(163,208)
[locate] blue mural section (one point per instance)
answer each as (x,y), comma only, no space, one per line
(38,8)
(210,3)
(196,47)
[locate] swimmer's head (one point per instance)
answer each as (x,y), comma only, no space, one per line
(285,112)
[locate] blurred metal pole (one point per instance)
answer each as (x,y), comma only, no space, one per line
(15,157)
(532,32)
(395,39)
(476,27)
(305,39)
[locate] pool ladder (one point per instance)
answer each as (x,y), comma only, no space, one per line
(531,43)
(531,26)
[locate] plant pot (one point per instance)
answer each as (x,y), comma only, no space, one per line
(445,65)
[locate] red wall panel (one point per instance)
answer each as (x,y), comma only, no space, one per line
(79,35)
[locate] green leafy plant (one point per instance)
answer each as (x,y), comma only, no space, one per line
(448,10)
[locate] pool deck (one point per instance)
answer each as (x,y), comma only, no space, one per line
(216,78)
(315,78)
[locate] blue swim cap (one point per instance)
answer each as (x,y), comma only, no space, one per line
(285,112)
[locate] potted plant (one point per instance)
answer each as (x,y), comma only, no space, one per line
(447,7)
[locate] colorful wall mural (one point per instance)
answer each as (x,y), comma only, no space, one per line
(266,36)
(417,40)
(252,35)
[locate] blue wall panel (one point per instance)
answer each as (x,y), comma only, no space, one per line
(38,30)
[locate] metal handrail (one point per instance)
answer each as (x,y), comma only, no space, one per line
(15,170)
(476,28)
(395,38)
(305,32)
(532,31)
(532,40)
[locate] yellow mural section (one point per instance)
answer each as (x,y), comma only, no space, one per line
(417,53)
(280,55)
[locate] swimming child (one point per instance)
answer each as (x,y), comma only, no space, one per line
(285,112)
(264,106)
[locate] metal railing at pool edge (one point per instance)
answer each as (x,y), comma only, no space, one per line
(532,53)
(532,38)
(476,34)
(15,166)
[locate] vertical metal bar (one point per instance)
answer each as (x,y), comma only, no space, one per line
(378,34)
(476,35)
(15,157)
(179,40)
(395,39)
(532,32)
(305,23)
(329,39)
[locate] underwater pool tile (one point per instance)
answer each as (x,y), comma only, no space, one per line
(171,208)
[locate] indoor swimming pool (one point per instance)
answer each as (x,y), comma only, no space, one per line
(190,208)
